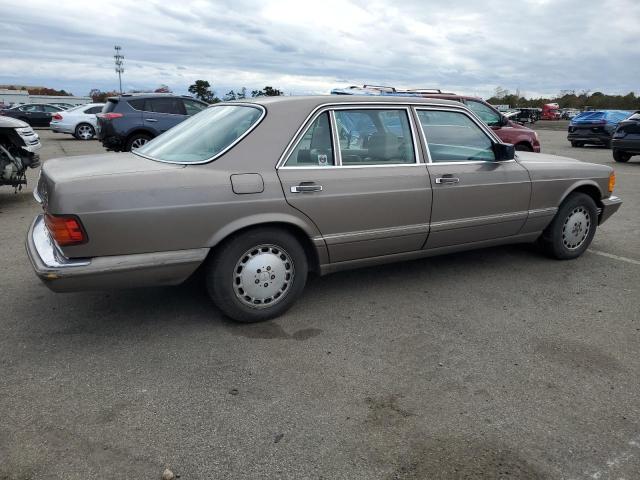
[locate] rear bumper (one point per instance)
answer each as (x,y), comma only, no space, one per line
(61,127)
(112,143)
(589,137)
(62,274)
(609,207)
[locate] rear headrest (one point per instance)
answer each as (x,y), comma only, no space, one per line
(384,146)
(321,137)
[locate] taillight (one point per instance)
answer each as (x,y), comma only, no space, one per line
(109,116)
(65,229)
(57,116)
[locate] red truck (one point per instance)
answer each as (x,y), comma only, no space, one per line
(551,111)
(521,137)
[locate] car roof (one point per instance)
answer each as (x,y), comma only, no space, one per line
(318,100)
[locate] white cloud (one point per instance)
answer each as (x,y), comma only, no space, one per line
(311,46)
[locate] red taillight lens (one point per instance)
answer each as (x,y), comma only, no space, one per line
(65,229)
(108,116)
(57,116)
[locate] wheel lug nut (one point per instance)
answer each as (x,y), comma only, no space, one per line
(266,285)
(257,281)
(268,268)
(273,277)
(259,271)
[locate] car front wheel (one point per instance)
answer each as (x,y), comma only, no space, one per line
(257,275)
(572,229)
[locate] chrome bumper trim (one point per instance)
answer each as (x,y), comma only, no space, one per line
(47,249)
(609,207)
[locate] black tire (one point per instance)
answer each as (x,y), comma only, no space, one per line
(523,147)
(84,131)
(238,263)
(135,140)
(620,156)
(576,144)
(572,229)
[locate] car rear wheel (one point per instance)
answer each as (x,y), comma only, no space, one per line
(84,131)
(572,229)
(136,141)
(257,275)
(620,156)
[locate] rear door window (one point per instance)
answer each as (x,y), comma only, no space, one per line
(138,104)
(315,148)
(169,105)
(375,137)
(93,110)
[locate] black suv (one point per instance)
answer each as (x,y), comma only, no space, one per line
(130,120)
(626,139)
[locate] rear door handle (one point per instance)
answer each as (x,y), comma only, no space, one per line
(150,120)
(447,180)
(306,188)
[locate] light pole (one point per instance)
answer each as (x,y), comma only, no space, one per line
(119,65)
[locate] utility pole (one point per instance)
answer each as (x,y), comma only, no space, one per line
(119,65)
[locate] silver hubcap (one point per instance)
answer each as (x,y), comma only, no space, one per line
(576,228)
(138,142)
(85,132)
(263,276)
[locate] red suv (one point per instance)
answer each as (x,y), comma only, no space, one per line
(522,138)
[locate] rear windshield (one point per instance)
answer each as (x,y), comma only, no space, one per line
(204,136)
(110,106)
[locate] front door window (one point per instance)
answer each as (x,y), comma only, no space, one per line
(454,137)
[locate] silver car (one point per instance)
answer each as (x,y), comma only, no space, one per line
(260,193)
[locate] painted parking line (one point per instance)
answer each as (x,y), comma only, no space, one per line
(615,257)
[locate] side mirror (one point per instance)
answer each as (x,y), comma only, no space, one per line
(504,121)
(504,151)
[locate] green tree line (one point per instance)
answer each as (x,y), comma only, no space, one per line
(569,99)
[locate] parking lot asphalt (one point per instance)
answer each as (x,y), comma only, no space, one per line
(497,363)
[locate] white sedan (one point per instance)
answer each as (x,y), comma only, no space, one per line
(79,121)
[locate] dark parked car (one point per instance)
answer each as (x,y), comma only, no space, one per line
(35,114)
(129,121)
(626,139)
(523,138)
(595,127)
(260,192)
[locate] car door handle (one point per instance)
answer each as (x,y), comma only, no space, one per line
(447,180)
(306,188)
(150,119)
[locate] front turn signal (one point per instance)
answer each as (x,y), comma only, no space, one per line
(65,229)
(612,181)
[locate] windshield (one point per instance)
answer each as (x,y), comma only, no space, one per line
(203,136)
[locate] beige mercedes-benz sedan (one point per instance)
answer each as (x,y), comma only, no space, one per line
(260,193)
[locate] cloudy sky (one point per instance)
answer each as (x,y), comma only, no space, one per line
(536,46)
